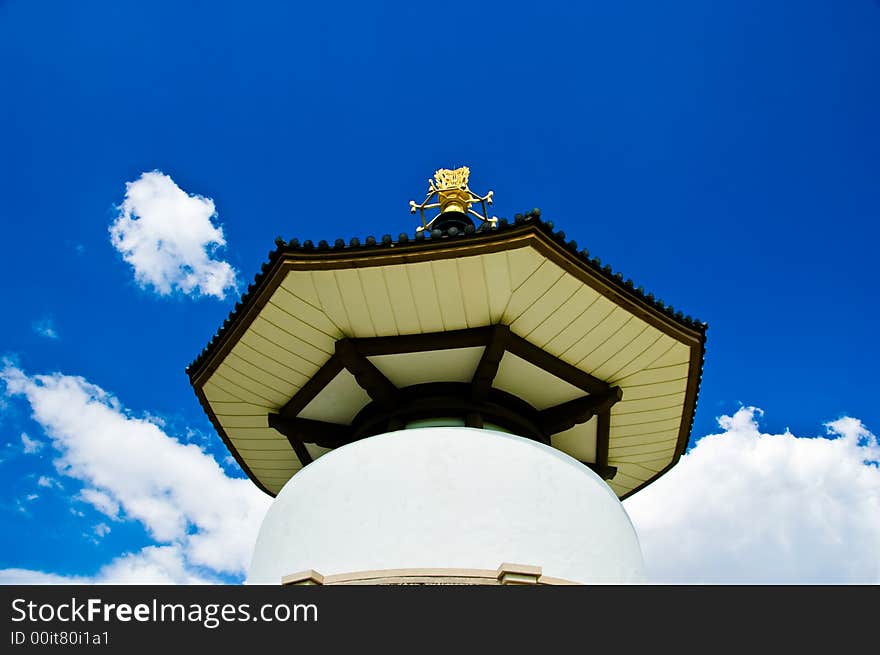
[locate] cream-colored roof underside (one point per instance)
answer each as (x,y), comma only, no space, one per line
(294,335)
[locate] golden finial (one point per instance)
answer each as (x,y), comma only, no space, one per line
(453,198)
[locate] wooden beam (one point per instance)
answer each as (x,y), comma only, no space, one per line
(486,370)
(312,388)
(413,343)
(603,430)
(580,410)
(320,433)
(293,437)
(552,364)
(473,420)
(370,378)
(603,471)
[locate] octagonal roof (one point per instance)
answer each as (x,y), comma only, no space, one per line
(330,337)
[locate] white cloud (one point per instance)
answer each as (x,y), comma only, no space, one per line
(45,328)
(32,497)
(27,576)
(133,468)
(167,236)
(47,482)
(740,507)
(151,565)
(100,501)
(747,507)
(31,446)
(102,529)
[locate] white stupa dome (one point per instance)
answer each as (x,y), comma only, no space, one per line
(447,497)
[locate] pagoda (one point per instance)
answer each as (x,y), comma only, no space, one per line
(466,404)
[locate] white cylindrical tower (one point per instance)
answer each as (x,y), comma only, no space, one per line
(449,498)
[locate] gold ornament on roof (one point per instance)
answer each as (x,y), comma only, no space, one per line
(453,195)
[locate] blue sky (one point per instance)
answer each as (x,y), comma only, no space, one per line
(723,155)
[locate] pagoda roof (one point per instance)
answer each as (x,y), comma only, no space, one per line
(241,383)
